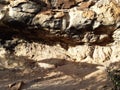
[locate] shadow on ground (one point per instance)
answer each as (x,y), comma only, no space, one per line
(63,75)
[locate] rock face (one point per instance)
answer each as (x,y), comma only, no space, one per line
(84,28)
(70,21)
(55,35)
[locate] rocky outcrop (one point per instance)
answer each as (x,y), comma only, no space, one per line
(54,35)
(86,29)
(69,21)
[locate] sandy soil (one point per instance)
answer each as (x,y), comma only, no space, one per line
(65,75)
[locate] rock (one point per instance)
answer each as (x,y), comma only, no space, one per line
(4,1)
(65,4)
(67,23)
(70,21)
(102,54)
(76,54)
(2,52)
(14,3)
(53,35)
(85,5)
(116,35)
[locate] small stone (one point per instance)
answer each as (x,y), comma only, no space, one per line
(96,25)
(103,38)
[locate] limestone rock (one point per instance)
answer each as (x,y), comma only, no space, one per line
(72,21)
(89,23)
(52,36)
(116,35)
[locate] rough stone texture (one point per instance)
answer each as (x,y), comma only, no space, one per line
(40,31)
(85,29)
(70,21)
(67,22)
(77,30)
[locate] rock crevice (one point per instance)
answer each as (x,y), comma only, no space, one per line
(70,21)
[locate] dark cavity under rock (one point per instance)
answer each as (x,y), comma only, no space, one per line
(60,21)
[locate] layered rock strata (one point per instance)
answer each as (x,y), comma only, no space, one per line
(86,29)
(52,34)
(69,21)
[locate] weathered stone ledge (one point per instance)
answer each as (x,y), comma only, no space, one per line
(72,22)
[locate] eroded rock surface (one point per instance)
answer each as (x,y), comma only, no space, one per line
(70,21)
(48,33)
(92,24)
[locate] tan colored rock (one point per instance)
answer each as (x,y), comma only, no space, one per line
(68,41)
(89,14)
(71,22)
(79,53)
(102,54)
(16,2)
(115,10)
(43,51)
(85,5)
(59,15)
(115,57)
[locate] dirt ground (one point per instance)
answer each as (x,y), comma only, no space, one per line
(64,75)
